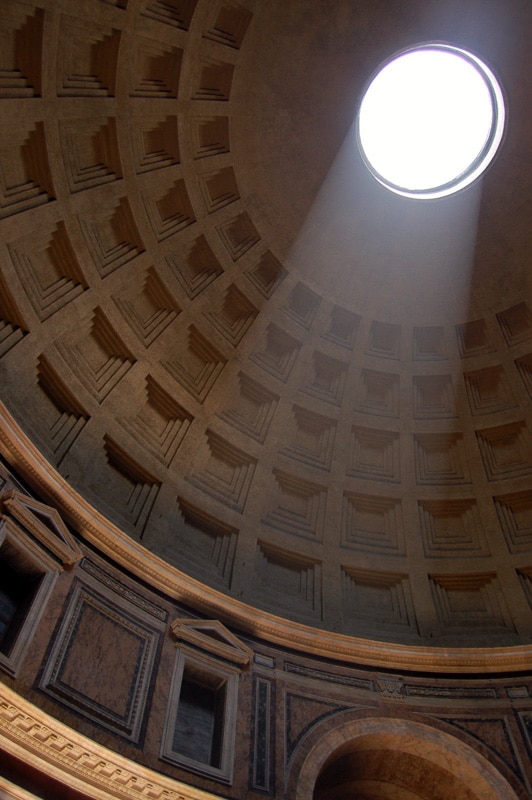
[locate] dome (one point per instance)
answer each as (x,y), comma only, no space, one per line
(256,363)
(265,425)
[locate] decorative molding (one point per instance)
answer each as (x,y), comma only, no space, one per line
(65,755)
(17,448)
(451,692)
(302,714)
(81,656)
(329,677)
(493,733)
(262,764)
(112,584)
(44,525)
(213,637)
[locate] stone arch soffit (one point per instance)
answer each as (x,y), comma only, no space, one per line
(415,738)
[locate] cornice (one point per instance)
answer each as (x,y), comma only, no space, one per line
(22,454)
(48,746)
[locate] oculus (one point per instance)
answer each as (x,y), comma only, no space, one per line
(430,121)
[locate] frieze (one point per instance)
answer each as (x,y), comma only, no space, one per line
(330,677)
(124,591)
(391,687)
(462,692)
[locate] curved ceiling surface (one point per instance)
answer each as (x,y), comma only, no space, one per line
(304,391)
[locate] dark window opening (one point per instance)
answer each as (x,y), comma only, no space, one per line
(17,592)
(198,731)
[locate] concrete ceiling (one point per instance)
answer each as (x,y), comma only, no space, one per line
(307,393)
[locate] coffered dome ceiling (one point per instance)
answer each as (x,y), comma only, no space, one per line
(305,392)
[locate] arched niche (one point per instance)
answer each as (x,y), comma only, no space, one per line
(381,758)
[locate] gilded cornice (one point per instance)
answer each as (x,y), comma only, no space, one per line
(109,539)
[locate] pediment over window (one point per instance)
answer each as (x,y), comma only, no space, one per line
(42,525)
(213,638)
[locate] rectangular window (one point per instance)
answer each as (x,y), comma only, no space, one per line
(200,725)
(25,584)
(17,593)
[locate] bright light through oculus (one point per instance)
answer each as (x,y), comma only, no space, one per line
(431,121)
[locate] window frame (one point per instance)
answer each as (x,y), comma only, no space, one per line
(206,646)
(38,541)
(193,661)
(37,562)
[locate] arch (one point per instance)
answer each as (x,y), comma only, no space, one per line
(432,751)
